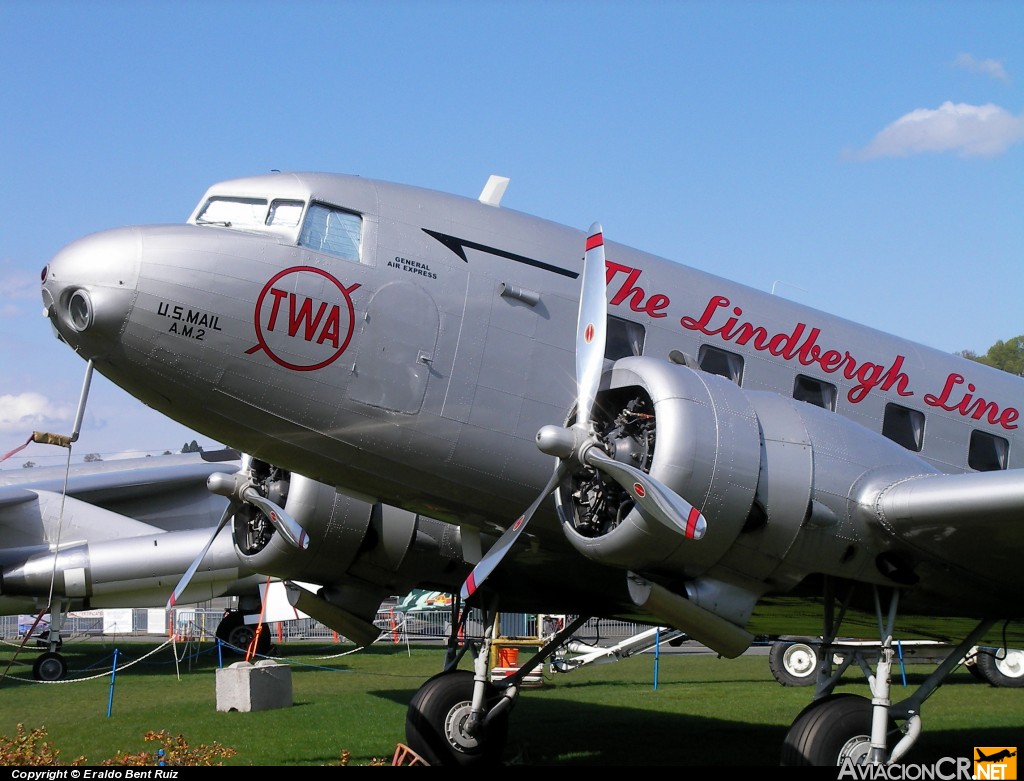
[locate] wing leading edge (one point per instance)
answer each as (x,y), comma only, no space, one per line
(969,522)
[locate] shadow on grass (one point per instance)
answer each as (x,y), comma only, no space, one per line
(566,733)
(710,715)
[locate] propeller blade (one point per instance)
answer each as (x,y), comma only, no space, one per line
(183,583)
(592,325)
(497,552)
(281,520)
(653,498)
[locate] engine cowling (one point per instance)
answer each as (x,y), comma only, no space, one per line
(761,468)
(360,551)
(698,435)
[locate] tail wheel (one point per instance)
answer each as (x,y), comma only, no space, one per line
(831,730)
(435,724)
(793,663)
(1003,667)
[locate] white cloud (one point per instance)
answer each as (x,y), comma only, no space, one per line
(971,131)
(28,412)
(990,67)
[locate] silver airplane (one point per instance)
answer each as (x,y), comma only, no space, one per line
(122,533)
(612,433)
(115,534)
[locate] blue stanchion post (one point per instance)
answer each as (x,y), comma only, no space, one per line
(113,675)
(657,652)
(903,670)
(220,653)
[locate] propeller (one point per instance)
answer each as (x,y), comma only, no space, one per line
(579,446)
(239,490)
(187,577)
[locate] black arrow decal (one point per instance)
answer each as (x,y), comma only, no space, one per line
(459,247)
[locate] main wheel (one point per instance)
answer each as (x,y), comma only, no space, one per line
(830,730)
(793,663)
(237,635)
(1003,667)
(435,724)
(49,666)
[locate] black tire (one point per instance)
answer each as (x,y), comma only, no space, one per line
(236,635)
(49,666)
(831,729)
(434,722)
(794,663)
(1001,667)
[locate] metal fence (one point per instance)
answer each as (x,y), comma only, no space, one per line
(200,623)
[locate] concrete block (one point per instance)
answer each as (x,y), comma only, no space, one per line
(245,687)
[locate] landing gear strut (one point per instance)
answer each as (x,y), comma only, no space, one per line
(459,718)
(50,666)
(836,729)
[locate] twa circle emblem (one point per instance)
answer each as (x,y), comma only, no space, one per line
(588,333)
(303,319)
(639,490)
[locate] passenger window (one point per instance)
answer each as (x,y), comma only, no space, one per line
(988,453)
(722,362)
(332,230)
(904,426)
(623,338)
(817,392)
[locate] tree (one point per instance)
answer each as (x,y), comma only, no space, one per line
(28,465)
(92,457)
(1008,355)
(191,447)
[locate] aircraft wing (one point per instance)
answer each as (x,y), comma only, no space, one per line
(971,521)
(117,530)
(168,491)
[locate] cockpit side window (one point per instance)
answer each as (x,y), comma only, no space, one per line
(328,229)
(284,214)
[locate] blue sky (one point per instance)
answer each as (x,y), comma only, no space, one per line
(866,158)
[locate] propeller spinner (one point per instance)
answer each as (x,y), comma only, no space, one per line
(579,446)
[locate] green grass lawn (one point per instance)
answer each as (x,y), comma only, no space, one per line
(701,710)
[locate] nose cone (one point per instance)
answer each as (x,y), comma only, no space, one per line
(89,288)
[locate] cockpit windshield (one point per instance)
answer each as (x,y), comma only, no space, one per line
(324,228)
(250,213)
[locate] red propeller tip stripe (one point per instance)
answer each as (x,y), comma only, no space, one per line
(595,241)
(470,585)
(692,521)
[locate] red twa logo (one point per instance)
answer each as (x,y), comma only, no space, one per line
(303,319)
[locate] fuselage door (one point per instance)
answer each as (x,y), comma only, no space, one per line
(396,346)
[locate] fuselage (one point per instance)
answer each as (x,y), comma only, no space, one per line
(407,345)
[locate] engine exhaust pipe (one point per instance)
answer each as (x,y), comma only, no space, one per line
(718,634)
(358,630)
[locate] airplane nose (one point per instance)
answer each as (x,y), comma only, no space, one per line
(89,287)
